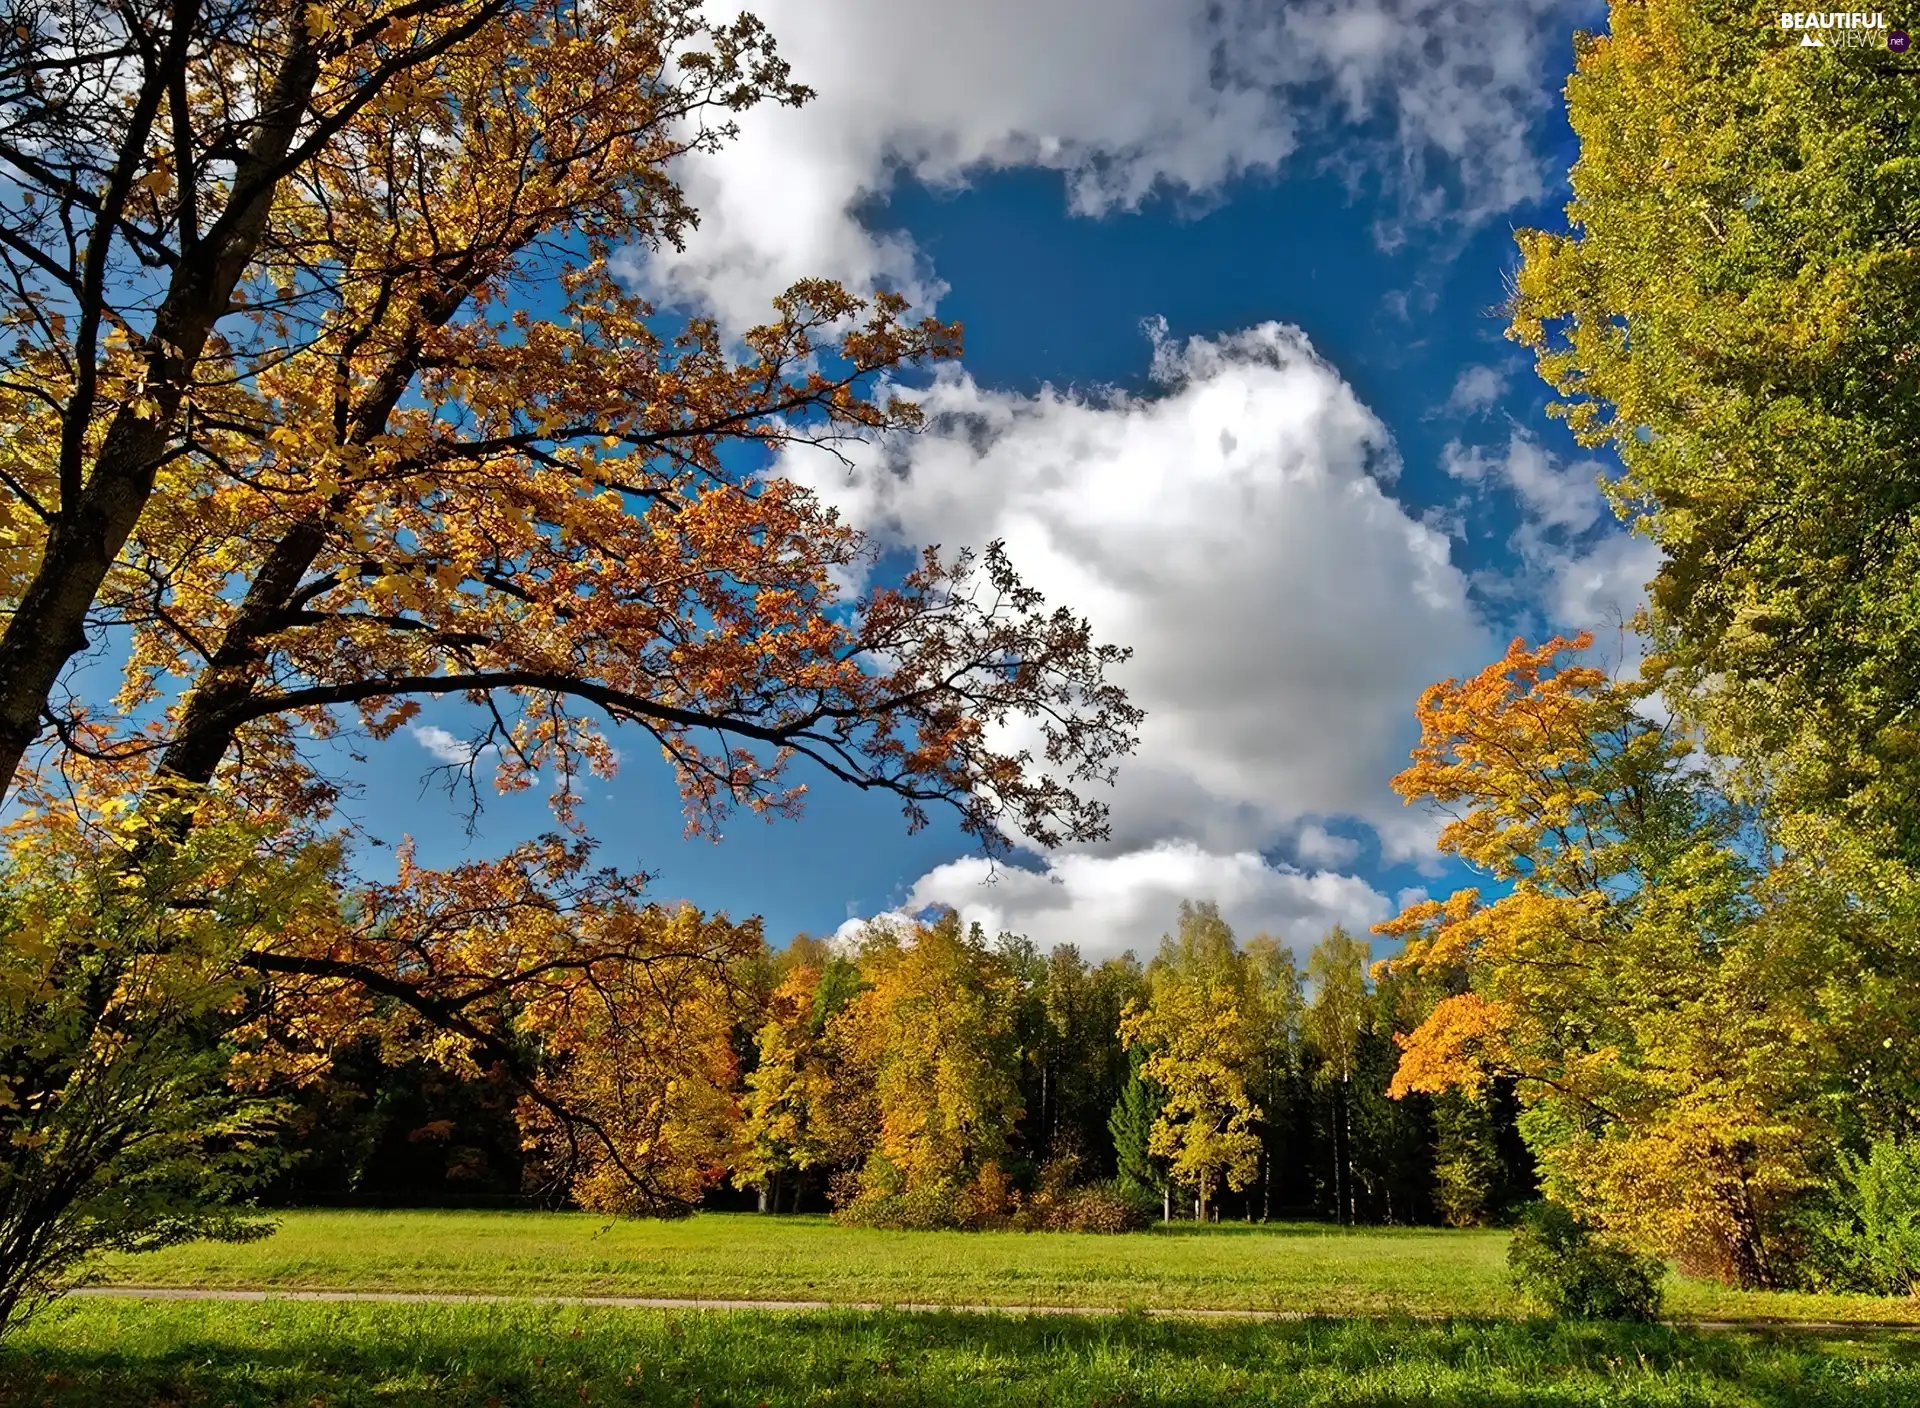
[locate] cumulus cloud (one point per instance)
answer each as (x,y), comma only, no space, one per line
(1431,100)
(1603,584)
(1475,390)
(1238,529)
(1107,904)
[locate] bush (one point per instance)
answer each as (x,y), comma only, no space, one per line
(924,1209)
(1865,1234)
(986,1202)
(129,1115)
(1571,1270)
(1062,1204)
(976,1204)
(1105,1207)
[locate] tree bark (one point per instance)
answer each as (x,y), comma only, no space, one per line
(48,628)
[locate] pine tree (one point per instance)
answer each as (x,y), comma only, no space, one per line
(1130,1124)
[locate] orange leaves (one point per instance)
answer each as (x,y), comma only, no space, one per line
(1430,926)
(1554,775)
(488,962)
(1460,1044)
(1651,986)
(1535,746)
(564,519)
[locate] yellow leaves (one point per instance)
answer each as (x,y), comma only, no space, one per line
(1524,743)
(1198,1043)
(933,1036)
(399,587)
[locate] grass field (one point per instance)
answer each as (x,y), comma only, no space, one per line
(1308,1268)
(289,1355)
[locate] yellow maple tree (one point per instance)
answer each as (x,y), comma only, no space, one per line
(1643,978)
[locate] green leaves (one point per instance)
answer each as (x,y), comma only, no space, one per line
(126,1012)
(1735,310)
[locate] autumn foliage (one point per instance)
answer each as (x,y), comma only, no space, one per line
(326,394)
(1652,975)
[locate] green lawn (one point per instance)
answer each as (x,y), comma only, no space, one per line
(1300,1267)
(132,1354)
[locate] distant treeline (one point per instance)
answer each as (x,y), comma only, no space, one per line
(931,1074)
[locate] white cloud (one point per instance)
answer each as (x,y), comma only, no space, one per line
(1236,529)
(1284,609)
(1313,844)
(1602,585)
(1431,99)
(1552,494)
(448,747)
(1578,569)
(1476,389)
(1107,904)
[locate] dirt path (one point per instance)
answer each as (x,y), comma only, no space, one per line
(679,1303)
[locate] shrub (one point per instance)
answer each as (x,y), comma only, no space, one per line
(986,1201)
(1105,1207)
(1061,1204)
(130,1113)
(924,1209)
(1571,1270)
(978,1203)
(1865,1234)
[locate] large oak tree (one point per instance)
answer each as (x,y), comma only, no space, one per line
(335,401)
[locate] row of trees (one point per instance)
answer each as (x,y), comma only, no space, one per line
(928,1062)
(925,1062)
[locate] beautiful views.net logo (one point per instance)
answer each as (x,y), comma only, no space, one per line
(1844,29)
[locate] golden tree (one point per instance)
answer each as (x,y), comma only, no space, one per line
(1198,1030)
(334,403)
(934,1027)
(1681,993)
(787,1092)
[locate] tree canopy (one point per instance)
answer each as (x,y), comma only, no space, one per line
(1733,309)
(324,395)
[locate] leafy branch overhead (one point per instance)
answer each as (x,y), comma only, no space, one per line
(322,395)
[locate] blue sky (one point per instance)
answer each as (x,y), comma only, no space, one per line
(1230,290)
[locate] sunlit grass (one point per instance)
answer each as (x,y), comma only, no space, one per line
(1304,1268)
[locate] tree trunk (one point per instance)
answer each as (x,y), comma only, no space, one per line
(1333,1131)
(1346,1148)
(48,627)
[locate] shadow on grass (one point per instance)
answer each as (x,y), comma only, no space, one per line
(287,1355)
